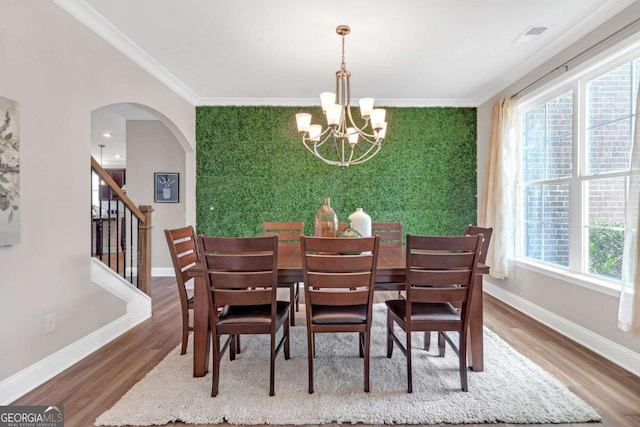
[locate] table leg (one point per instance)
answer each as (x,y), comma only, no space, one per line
(475,345)
(201,335)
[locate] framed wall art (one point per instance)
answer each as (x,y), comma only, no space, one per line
(166,187)
(9,172)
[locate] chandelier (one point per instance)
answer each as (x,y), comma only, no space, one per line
(343,142)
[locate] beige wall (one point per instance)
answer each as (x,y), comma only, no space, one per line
(151,147)
(59,72)
(587,315)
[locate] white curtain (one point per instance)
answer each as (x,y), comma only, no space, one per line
(499,195)
(629,310)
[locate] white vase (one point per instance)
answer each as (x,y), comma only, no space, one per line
(166,193)
(361,222)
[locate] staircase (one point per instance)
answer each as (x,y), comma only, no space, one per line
(120,230)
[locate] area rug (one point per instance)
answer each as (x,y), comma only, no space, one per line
(511,389)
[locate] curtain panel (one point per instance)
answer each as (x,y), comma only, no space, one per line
(629,309)
(498,210)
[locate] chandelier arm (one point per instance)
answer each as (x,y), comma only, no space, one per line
(350,155)
(335,147)
(360,129)
(369,150)
(370,139)
(363,159)
(306,141)
(324,137)
(327,161)
(318,155)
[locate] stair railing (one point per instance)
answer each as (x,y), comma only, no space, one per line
(120,230)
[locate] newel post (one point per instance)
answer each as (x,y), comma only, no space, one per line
(144,242)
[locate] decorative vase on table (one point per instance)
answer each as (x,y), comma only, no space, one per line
(325,223)
(361,222)
(349,233)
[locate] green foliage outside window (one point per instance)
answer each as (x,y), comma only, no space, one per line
(251,167)
(605,249)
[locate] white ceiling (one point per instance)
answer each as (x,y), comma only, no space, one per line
(285,52)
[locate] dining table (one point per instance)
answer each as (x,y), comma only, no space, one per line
(390,276)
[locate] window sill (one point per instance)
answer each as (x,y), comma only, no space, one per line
(603,286)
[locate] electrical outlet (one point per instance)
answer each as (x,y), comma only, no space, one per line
(49,323)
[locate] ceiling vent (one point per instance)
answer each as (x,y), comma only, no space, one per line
(530,33)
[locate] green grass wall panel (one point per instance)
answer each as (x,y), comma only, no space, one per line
(251,167)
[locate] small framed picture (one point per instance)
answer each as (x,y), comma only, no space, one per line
(167,187)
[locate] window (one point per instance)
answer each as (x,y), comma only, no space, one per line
(574,170)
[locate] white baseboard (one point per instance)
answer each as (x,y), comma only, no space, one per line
(162,272)
(138,308)
(606,348)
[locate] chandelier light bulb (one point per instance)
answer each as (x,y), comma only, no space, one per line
(381,133)
(303,120)
(326,99)
(366,106)
(352,134)
(334,114)
(314,133)
(377,118)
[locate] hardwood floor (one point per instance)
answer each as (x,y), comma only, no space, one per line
(97,382)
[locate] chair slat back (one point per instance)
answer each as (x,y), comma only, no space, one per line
(441,269)
(339,271)
(241,270)
(486,232)
(390,233)
(184,255)
(288,232)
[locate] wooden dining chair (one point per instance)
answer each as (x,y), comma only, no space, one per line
(288,234)
(486,233)
(471,230)
(242,273)
(339,280)
(184,255)
(390,233)
(440,276)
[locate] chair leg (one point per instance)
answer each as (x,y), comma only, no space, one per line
(360,344)
(462,355)
(409,376)
(272,363)
(232,347)
(292,301)
(287,330)
(367,360)
(427,340)
(216,366)
(441,343)
(389,335)
(185,337)
(238,349)
(297,286)
(310,356)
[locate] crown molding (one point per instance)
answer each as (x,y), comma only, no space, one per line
(90,18)
(305,102)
